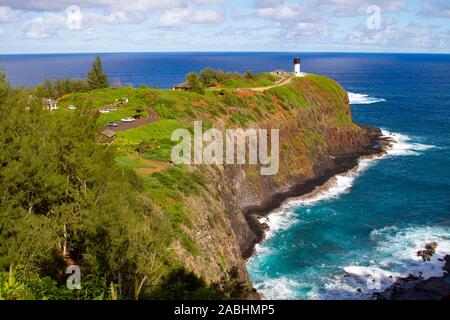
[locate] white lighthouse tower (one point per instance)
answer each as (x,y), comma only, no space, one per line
(297,67)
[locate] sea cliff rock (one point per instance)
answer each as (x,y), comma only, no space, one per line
(414,288)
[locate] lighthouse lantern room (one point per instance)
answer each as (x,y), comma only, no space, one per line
(297,67)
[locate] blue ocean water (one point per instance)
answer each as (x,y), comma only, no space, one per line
(357,235)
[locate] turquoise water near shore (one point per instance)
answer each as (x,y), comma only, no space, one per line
(367,225)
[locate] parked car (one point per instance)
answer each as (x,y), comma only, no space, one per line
(104,111)
(128,119)
(112,108)
(113,124)
(71,107)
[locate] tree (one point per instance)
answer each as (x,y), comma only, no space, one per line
(4,86)
(249,75)
(58,88)
(193,81)
(97,79)
(210,77)
(57,187)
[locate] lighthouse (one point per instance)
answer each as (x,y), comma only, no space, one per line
(297,64)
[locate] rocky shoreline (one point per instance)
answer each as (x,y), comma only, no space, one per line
(409,288)
(342,164)
(415,288)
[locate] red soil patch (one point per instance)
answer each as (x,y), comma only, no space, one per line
(245,94)
(158,166)
(199,103)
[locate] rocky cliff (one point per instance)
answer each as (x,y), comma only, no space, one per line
(414,288)
(318,139)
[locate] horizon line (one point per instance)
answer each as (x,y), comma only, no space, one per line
(212,52)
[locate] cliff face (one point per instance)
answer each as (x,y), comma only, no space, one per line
(318,139)
(318,142)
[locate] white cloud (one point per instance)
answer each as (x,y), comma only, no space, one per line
(91,34)
(180,16)
(348,8)
(413,36)
(2,34)
(440,8)
(116,17)
(6,14)
(44,26)
(112,5)
(280,12)
(304,21)
(205,2)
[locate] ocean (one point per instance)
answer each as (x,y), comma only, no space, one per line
(357,235)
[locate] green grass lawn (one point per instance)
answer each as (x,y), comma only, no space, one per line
(159,133)
(133,162)
(259,80)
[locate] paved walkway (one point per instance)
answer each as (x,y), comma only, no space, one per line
(152,117)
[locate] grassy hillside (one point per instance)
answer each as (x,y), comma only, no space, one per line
(259,80)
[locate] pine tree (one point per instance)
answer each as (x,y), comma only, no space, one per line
(193,81)
(97,79)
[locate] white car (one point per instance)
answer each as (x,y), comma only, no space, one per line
(71,107)
(104,111)
(128,119)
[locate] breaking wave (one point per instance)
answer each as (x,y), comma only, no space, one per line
(396,248)
(357,98)
(402,145)
(395,257)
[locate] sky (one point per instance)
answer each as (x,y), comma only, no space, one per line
(71,26)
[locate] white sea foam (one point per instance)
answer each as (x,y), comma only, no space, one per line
(278,289)
(400,251)
(404,145)
(285,217)
(357,98)
(396,255)
(279,220)
(339,185)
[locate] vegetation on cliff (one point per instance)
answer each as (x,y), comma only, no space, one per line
(138,226)
(232,80)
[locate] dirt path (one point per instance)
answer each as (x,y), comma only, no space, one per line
(281,82)
(158,166)
(62,97)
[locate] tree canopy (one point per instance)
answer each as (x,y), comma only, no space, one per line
(97,79)
(58,188)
